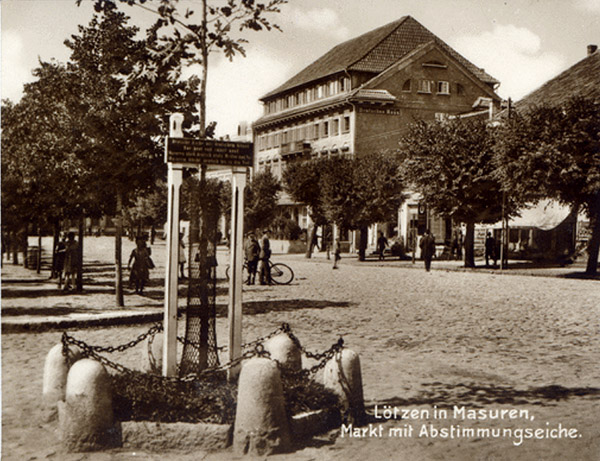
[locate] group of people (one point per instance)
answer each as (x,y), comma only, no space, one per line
(257,256)
(66,257)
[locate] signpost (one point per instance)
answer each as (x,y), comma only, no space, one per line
(180,153)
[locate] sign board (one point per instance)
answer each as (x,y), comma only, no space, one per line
(209,152)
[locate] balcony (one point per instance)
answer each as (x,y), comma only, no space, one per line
(294,149)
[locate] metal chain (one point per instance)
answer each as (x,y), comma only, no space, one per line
(258,351)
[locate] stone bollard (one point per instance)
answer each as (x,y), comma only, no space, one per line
(86,419)
(261,424)
(342,375)
(152,355)
(56,368)
(284,350)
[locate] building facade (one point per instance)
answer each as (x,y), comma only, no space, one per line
(360,98)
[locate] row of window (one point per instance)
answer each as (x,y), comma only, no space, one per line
(311,131)
(431,86)
(308,95)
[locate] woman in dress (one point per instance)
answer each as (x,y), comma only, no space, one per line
(140,270)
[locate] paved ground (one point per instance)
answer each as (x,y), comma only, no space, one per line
(426,340)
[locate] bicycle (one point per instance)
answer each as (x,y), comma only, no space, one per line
(281,274)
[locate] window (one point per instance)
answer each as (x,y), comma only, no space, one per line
(407,86)
(335,127)
(277,140)
(346,124)
(460,90)
(343,84)
(308,95)
(316,131)
(425,86)
(443,87)
(332,89)
(325,131)
(320,91)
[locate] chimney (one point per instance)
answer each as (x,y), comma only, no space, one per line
(592,49)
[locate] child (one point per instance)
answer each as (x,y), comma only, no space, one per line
(336,253)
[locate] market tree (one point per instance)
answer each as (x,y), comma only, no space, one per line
(451,164)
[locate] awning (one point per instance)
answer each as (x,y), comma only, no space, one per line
(545,215)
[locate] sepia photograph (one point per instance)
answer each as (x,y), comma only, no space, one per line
(300,230)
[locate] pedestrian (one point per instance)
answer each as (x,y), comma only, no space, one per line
(59,259)
(336,252)
(382,243)
(182,259)
(264,268)
(142,263)
(427,246)
(490,249)
(252,253)
(71,261)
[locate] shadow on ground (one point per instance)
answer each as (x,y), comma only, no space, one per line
(475,396)
(47,311)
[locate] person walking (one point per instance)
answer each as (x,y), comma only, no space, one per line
(142,263)
(336,253)
(490,249)
(59,259)
(427,246)
(382,243)
(252,253)
(264,256)
(71,260)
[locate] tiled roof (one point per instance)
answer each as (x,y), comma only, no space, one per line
(581,79)
(374,52)
(358,95)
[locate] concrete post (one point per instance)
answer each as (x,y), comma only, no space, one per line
(236,282)
(86,419)
(56,369)
(343,376)
(261,424)
(285,351)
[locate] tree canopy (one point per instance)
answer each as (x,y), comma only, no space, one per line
(554,152)
(451,164)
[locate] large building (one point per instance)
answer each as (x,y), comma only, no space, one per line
(361,96)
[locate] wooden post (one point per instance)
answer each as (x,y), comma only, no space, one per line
(175,178)
(238,183)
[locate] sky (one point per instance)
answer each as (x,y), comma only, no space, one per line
(522,43)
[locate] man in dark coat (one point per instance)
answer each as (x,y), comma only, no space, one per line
(490,249)
(427,246)
(252,252)
(264,256)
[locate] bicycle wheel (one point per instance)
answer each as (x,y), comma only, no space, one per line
(281,274)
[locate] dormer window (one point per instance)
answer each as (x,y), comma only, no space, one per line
(443,87)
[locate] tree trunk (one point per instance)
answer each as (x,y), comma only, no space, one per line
(310,241)
(593,245)
(55,239)
(24,243)
(38,262)
(79,279)
(118,252)
(469,245)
